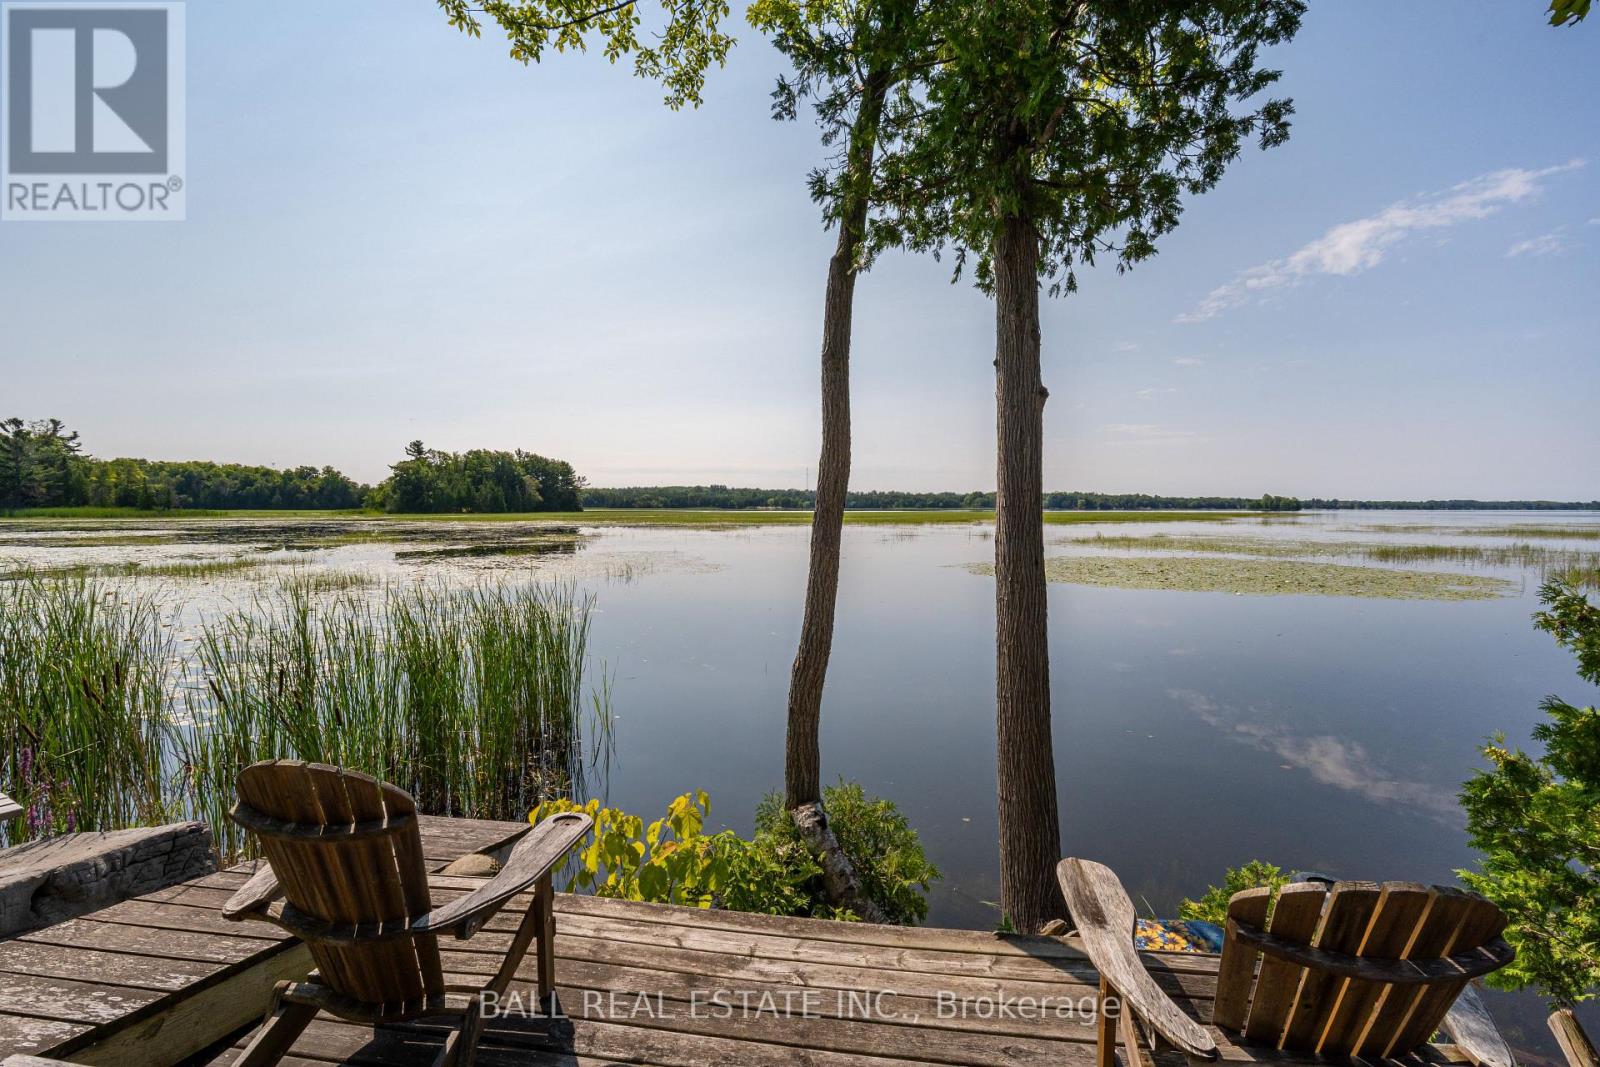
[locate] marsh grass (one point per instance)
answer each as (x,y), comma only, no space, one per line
(178,569)
(1584,576)
(84,691)
(1569,531)
(473,698)
(470,698)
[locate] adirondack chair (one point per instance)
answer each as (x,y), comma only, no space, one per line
(345,874)
(1354,969)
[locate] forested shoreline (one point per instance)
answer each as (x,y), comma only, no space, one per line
(43,465)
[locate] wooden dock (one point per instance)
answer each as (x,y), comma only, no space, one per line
(164,977)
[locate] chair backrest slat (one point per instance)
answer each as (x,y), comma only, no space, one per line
(1295,916)
(345,878)
(1482,923)
(1236,973)
(1298,1004)
(1401,909)
(1344,924)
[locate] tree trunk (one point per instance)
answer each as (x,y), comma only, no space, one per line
(802,765)
(1030,833)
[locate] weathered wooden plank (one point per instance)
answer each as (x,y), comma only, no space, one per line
(599,923)
(141,940)
(24,1033)
(9,809)
(928,938)
(160,915)
(1068,1015)
(105,968)
(189,1020)
(69,1001)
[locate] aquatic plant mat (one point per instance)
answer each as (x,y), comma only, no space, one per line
(1544,558)
(1260,577)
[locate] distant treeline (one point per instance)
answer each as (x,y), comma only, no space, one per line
(1455,505)
(722,496)
(429,480)
(42,465)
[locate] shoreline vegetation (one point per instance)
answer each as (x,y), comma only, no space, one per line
(44,473)
(473,698)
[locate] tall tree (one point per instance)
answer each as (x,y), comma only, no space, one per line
(849,56)
(1051,133)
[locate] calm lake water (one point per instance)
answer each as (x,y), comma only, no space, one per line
(1193,730)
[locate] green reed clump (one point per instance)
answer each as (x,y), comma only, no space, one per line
(470,698)
(84,696)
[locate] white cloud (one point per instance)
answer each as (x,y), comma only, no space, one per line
(1545,244)
(1353,247)
(1153,392)
(1189,361)
(1338,762)
(1126,346)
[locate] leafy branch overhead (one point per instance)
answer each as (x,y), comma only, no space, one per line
(1091,120)
(683,45)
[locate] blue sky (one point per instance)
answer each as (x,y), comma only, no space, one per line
(395,231)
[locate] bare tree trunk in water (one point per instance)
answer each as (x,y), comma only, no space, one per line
(1030,830)
(802,765)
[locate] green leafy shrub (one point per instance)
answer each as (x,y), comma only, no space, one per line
(885,851)
(673,861)
(1537,822)
(1212,907)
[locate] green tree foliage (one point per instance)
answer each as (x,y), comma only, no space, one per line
(1090,120)
(43,465)
(1536,819)
(1212,907)
(480,480)
(678,52)
(40,463)
(672,860)
(1568,12)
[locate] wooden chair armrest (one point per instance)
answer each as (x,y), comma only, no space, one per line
(535,856)
(1469,1028)
(262,889)
(1104,916)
